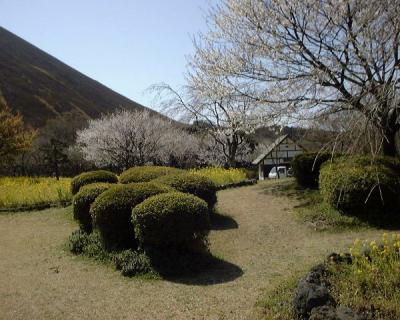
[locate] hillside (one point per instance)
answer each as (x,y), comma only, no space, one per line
(41,87)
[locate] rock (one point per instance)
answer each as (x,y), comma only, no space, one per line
(313,300)
(330,313)
(311,293)
(324,313)
(344,313)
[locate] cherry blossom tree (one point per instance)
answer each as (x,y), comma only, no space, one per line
(227,119)
(129,138)
(306,59)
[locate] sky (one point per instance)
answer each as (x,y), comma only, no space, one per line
(126,45)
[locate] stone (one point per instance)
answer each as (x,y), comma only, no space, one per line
(324,313)
(310,294)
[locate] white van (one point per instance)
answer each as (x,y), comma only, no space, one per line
(282,170)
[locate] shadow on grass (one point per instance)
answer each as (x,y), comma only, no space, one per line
(216,271)
(222,222)
(173,264)
(313,210)
(383,221)
(192,267)
(306,197)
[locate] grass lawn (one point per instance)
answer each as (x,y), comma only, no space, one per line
(311,210)
(262,243)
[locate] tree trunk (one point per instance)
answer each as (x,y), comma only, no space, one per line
(232,162)
(389,144)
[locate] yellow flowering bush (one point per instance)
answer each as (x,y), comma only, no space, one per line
(25,192)
(221,176)
(372,280)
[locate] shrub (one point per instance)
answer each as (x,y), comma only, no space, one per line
(146,173)
(171,219)
(389,162)
(194,184)
(89,245)
(77,241)
(306,168)
(92,177)
(132,263)
(82,201)
(222,176)
(111,212)
(359,188)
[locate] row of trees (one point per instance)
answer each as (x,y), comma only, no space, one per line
(130,138)
(69,144)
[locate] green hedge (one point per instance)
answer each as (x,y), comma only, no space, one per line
(362,186)
(111,212)
(194,184)
(171,220)
(146,173)
(306,168)
(92,177)
(82,201)
(392,163)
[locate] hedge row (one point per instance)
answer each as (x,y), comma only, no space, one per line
(170,213)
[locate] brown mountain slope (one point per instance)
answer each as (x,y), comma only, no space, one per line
(41,87)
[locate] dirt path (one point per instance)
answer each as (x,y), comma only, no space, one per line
(263,244)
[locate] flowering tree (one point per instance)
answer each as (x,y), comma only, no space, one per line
(125,139)
(227,119)
(309,58)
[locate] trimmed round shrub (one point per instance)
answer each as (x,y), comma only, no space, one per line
(172,219)
(92,177)
(358,187)
(194,184)
(82,201)
(306,168)
(111,212)
(146,173)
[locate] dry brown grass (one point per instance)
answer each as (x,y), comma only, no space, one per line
(39,279)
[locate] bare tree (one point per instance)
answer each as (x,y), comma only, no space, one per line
(309,58)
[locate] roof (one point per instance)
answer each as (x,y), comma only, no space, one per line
(272,146)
